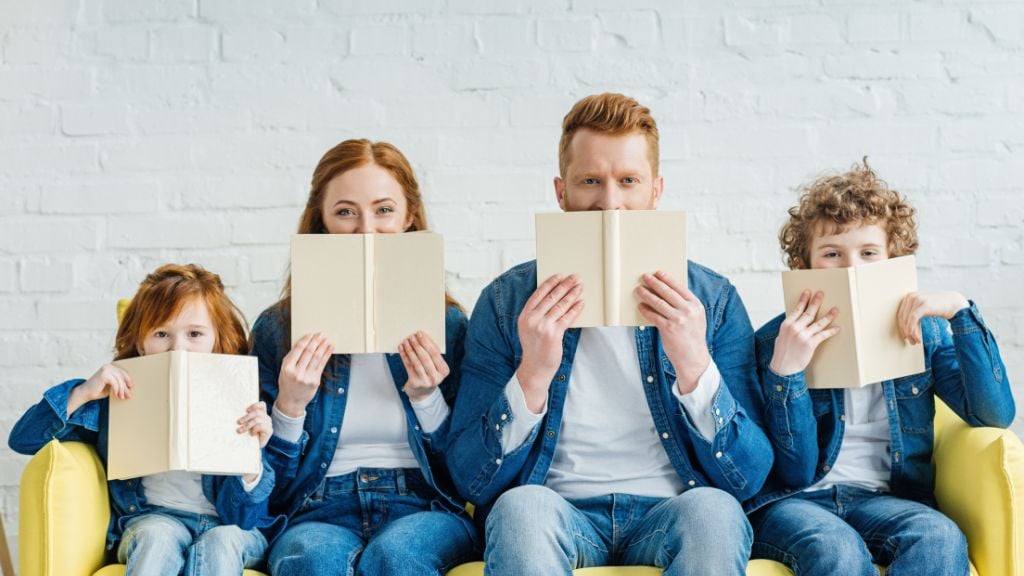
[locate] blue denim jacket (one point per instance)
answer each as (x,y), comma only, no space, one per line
(301,466)
(962,367)
(736,460)
(48,420)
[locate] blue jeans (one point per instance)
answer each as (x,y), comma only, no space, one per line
(374,521)
(534,531)
(172,542)
(846,530)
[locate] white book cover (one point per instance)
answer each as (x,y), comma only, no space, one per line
(868,348)
(610,250)
(368,292)
(183,416)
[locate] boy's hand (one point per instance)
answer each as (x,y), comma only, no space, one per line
(256,422)
(918,305)
(108,380)
(679,317)
(549,312)
(800,335)
(424,365)
(301,370)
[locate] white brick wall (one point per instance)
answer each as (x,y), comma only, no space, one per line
(135,132)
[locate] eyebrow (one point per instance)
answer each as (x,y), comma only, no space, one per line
(378,201)
(870,245)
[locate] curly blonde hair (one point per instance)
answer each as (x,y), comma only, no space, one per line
(834,204)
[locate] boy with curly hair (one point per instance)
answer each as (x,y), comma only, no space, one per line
(853,478)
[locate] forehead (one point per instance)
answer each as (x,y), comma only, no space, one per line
(853,234)
(590,150)
(367,182)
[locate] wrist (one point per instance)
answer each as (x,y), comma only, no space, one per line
(290,409)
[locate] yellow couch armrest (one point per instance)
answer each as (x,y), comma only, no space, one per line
(64,514)
(979,475)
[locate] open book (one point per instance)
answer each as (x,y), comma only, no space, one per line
(610,250)
(868,347)
(183,415)
(368,292)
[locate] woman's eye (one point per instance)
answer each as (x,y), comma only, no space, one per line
(345,212)
(385,210)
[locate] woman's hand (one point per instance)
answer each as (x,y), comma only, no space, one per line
(424,365)
(301,371)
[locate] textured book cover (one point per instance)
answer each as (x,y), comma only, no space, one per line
(368,292)
(610,250)
(868,348)
(183,416)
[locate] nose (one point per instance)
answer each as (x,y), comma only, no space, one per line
(365,225)
(610,198)
(178,344)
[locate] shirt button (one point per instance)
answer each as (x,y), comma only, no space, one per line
(914,390)
(504,416)
(363,478)
(692,482)
(718,454)
(664,435)
(787,490)
(416,427)
(341,390)
(842,417)
(323,465)
(826,467)
(131,508)
(643,327)
(778,387)
(650,379)
(551,433)
(497,461)
(334,429)
(561,377)
(497,426)
(717,411)
(719,420)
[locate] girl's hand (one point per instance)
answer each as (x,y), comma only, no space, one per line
(918,305)
(301,371)
(256,422)
(424,364)
(109,380)
(799,335)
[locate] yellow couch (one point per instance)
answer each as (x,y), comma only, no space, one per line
(980,472)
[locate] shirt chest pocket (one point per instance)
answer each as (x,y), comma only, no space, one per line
(821,402)
(915,402)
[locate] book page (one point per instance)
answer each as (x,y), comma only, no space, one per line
(649,241)
(139,428)
(881,287)
(408,283)
(328,289)
(220,388)
(834,364)
(573,243)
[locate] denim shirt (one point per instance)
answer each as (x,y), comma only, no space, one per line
(962,367)
(301,466)
(48,420)
(737,459)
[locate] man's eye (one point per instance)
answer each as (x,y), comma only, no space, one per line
(590,181)
(630,180)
